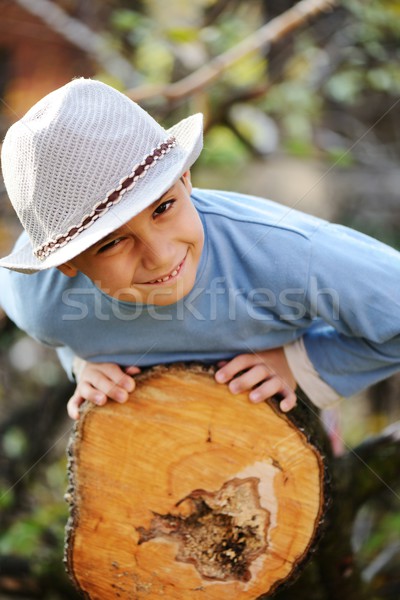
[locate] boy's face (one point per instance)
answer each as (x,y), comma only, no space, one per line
(153,258)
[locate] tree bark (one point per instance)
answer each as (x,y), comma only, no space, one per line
(358,476)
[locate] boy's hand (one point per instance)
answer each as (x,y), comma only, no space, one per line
(99,382)
(264,374)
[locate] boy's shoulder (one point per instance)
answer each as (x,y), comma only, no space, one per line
(222,205)
(32,301)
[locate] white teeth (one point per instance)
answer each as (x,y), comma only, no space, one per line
(172,274)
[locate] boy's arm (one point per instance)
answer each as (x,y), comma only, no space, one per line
(352,308)
(353,303)
(67,358)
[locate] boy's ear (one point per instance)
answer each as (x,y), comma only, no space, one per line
(187,180)
(68,269)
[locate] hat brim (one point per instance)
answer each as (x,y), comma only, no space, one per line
(189,142)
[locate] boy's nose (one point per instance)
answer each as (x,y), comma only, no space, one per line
(157,253)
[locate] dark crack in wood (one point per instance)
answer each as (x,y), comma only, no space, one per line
(221,533)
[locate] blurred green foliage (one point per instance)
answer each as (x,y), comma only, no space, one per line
(335,63)
(376,540)
(317,94)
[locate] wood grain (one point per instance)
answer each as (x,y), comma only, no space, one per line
(187,491)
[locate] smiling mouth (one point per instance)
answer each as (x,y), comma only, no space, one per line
(168,277)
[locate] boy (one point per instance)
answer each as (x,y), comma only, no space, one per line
(123,265)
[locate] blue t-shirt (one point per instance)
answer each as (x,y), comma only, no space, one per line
(267,276)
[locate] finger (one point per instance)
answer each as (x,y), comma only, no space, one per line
(113,372)
(234,366)
(289,402)
(132,370)
(126,382)
(116,390)
(249,379)
(88,392)
(73,406)
(222,363)
(267,389)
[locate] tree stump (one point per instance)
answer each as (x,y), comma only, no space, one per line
(189,492)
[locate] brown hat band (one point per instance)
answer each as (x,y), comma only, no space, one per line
(112,198)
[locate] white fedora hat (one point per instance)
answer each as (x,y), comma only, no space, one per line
(82,162)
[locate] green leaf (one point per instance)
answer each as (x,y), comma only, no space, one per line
(21,538)
(340,157)
(155,60)
(182,35)
(299,147)
(6,498)
(223,147)
(14,442)
(346,86)
(246,72)
(126,20)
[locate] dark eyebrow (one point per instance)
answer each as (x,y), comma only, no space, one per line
(169,190)
(118,232)
(107,238)
(162,197)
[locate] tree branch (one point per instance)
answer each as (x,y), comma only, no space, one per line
(216,10)
(260,39)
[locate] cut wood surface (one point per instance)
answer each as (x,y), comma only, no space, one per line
(189,492)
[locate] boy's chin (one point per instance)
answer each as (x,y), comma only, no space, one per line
(169,295)
(156,296)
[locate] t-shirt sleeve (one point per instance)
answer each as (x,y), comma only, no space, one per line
(66,357)
(319,392)
(353,301)
(24,299)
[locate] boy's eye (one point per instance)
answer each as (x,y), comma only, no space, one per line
(163,207)
(109,245)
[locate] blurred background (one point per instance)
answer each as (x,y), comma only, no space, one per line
(311,120)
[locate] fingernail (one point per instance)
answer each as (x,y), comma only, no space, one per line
(234,388)
(220,377)
(254,396)
(121,396)
(99,399)
(128,385)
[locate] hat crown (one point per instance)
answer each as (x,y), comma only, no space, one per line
(69,151)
